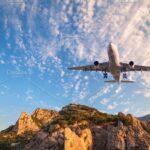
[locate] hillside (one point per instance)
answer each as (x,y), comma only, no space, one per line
(145,118)
(76,127)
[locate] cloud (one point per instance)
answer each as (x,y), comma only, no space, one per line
(29,95)
(53,36)
(105,90)
(147,93)
(104,101)
(126,110)
(2,62)
(77,86)
(118,90)
(54,108)
(112,106)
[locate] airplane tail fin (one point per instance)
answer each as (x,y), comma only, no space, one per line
(122,81)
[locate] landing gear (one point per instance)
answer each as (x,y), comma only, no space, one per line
(125,76)
(105,75)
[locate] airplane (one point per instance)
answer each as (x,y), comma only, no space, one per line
(113,66)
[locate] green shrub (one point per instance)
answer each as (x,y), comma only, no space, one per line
(5,145)
(126,120)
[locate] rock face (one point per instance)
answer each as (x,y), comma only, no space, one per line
(120,138)
(25,124)
(78,127)
(62,139)
(43,116)
(33,123)
(74,142)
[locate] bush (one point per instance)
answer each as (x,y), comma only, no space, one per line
(5,146)
(126,120)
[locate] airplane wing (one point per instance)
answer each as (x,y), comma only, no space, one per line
(100,67)
(126,67)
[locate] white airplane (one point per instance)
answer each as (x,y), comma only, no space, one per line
(114,66)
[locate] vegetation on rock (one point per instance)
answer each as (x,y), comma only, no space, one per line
(75,118)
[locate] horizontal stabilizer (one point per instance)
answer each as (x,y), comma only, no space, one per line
(111,81)
(122,81)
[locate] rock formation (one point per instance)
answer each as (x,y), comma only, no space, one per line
(33,123)
(79,127)
(25,123)
(43,116)
(74,142)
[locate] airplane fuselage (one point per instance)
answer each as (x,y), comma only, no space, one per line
(114,62)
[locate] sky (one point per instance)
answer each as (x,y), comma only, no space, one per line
(40,39)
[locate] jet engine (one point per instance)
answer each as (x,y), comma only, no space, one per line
(131,64)
(96,63)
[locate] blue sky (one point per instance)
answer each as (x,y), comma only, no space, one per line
(40,39)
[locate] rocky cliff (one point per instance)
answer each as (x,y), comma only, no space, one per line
(145,118)
(33,123)
(77,127)
(25,123)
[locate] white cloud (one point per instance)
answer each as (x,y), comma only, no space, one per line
(125,102)
(147,93)
(126,110)
(54,108)
(2,62)
(105,90)
(62,73)
(20,43)
(104,101)
(29,96)
(95,25)
(110,107)
(86,77)
(118,90)
(82,95)
(77,86)
(80,51)
(14,60)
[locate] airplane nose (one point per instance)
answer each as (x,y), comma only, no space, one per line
(110,45)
